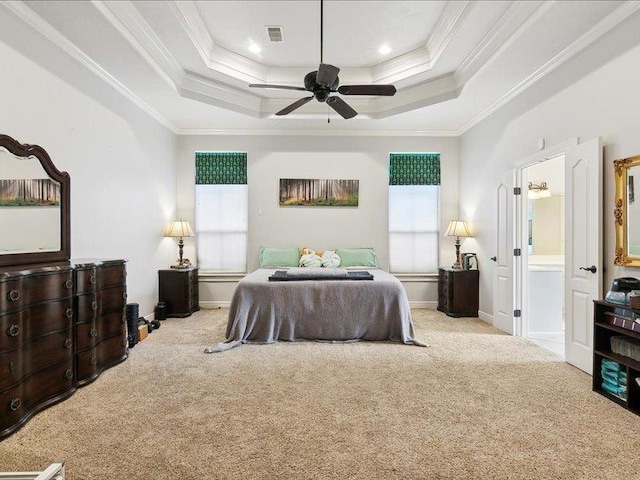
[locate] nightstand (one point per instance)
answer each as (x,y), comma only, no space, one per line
(458,292)
(178,289)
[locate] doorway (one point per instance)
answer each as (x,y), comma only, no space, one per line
(543,255)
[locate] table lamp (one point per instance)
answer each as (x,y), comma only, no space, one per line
(457,228)
(180,229)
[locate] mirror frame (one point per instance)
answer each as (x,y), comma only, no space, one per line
(25,150)
(620,213)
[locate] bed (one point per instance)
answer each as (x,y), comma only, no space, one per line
(331,310)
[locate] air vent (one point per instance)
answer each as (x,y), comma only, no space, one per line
(275,33)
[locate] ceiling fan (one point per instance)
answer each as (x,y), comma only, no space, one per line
(323,82)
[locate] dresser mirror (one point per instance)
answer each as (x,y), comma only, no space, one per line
(34,206)
(627,212)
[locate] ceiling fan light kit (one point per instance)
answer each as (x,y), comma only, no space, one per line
(325,81)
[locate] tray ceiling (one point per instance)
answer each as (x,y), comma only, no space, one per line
(188,63)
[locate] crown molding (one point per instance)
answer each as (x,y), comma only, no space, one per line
(319,133)
(508,25)
(126,19)
(214,56)
(423,59)
(36,22)
(600,29)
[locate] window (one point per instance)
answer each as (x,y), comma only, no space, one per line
(221,211)
(414,204)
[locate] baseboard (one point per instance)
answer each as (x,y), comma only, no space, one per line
(215,304)
(485,317)
(431,304)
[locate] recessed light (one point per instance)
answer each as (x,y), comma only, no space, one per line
(254,48)
(384,49)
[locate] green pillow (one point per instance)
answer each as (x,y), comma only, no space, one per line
(357,257)
(279,257)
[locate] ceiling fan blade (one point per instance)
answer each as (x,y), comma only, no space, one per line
(281,87)
(294,105)
(385,90)
(341,107)
(327,74)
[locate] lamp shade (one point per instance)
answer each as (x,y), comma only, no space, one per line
(457,228)
(179,228)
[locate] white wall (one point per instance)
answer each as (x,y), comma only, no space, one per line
(602,99)
(121,162)
(270,158)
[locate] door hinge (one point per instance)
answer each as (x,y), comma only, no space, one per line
(517,191)
(517,313)
(517,252)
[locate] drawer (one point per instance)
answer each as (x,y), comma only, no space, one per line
(20,327)
(99,277)
(21,292)
(99,303)
(91,362)
(90,333)
(49,384)
(35,355)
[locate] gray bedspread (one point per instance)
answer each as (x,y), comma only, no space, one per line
(336,310)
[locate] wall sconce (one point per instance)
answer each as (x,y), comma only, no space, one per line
(538,190)
(457,228)
(179,229)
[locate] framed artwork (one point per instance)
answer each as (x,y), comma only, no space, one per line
(31,192)
(318,192)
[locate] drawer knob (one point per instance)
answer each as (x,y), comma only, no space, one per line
(68,343)
(92,279)
(124,273)
(68,374)
(93,333)
(14,330)
(94,361)
(94,305)
(68,284)
(15,404)
(12,367)
(69,312)
(13,295)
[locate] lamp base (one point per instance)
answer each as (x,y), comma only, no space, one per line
(181,267)
(457,265)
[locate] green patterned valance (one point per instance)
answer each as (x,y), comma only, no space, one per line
(221,168)
(414,169)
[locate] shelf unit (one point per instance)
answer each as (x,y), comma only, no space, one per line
(602,333)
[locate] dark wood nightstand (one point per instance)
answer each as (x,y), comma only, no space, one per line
(458,292)
(178,289)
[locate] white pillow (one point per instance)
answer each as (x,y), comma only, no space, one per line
(330,259)
(310,260)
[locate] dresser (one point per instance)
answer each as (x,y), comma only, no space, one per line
(178,289)
(61,325)
(458,292)
(100,324)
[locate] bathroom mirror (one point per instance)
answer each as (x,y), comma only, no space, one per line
(627,212)
(34,205)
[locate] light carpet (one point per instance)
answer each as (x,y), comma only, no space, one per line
(475,404)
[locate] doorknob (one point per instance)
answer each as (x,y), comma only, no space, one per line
(494,259)
(591,269)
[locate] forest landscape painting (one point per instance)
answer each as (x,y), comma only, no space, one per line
(38,192)
(319,192)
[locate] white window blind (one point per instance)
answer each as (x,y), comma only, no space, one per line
(221,219)
(413,228)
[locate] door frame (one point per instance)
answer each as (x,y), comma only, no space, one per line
(520,222)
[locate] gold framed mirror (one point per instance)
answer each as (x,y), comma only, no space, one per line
(627,212)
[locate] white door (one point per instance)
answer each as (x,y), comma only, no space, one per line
(583,260)
(503,275)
